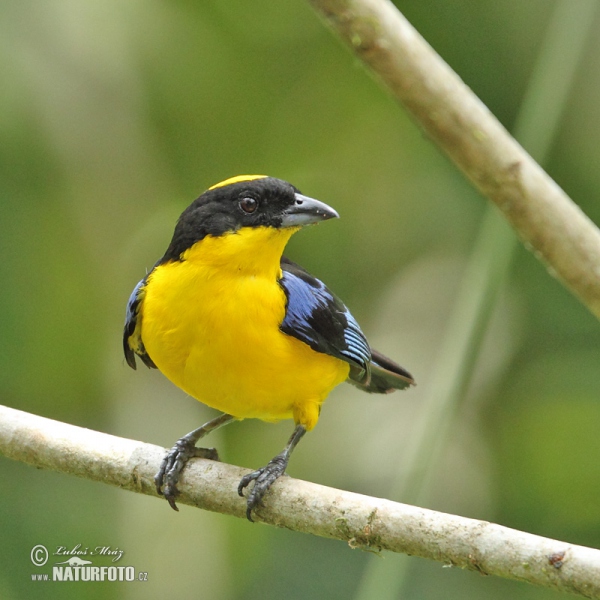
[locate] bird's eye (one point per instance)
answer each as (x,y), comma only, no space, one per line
(248,205)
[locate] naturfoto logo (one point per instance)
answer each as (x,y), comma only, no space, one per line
(76,568)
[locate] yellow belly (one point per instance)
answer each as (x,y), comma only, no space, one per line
(214,332)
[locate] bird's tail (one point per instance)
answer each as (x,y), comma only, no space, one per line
(385,376)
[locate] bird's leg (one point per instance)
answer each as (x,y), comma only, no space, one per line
(266,476)
(185,448)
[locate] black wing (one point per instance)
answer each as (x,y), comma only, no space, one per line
(132,338)
(317,317)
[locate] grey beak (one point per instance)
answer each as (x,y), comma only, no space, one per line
(306,211)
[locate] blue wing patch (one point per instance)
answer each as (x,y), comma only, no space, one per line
(132,338)
(318,318)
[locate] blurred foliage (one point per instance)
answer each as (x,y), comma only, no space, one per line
(114,116)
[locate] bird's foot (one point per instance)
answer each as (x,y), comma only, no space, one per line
(173,463)
(263,479)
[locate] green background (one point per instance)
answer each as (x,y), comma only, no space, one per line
(114,116)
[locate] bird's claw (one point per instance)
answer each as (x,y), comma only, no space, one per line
(263,479)
(173,463)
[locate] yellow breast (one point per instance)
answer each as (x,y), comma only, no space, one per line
(211,324)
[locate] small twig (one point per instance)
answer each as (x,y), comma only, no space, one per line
(545,218)
(361,521)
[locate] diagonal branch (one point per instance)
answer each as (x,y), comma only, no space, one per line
(545,218)
(361,521)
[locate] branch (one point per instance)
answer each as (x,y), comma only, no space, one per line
(545,218)
(361,521)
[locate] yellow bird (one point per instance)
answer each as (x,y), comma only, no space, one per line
(232,322)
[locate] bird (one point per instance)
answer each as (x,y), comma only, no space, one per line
(238,326)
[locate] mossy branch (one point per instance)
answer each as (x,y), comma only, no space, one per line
(545,218)
(360,521)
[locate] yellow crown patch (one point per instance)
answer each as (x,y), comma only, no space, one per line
(237,179)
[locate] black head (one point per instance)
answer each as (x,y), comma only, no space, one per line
(244,201)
